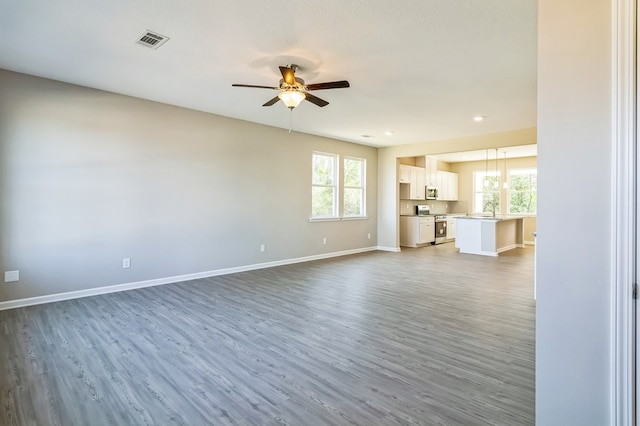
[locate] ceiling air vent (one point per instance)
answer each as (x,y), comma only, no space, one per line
(151,39)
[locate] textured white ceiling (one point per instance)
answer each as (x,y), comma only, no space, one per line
(421,68)
(489,154)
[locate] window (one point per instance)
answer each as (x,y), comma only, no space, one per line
(326,187)
(354,173)
(324,190)
(523,191)
(486,192)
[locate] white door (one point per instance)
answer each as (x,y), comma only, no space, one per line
(625,203)
(626,166)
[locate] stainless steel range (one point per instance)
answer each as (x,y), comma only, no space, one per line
(441,229)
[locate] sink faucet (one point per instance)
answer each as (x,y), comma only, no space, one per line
(493,208)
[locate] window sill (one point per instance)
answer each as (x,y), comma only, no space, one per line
(356,218)
(324,219)
(337,219)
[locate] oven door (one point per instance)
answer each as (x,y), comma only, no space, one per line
(441,231)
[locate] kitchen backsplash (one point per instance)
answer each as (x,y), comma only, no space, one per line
(408,207)
(458,207)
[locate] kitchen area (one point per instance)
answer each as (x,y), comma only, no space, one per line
(444,202)
(428,202)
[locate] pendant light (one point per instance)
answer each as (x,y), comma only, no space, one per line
(505,184)
(495,182)
(486,170)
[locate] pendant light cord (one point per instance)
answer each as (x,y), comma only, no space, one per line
(497,184)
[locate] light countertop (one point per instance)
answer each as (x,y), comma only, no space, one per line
(497,218)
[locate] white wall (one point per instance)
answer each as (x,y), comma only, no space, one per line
(88,178)
(573,315)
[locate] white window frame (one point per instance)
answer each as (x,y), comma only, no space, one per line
(361,188)
(335,185)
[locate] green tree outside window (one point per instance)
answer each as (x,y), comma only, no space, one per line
(523,191)
(353,204)
(324,190)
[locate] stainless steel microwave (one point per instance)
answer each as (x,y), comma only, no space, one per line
(431,193)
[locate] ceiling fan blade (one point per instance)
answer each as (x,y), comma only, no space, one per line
(288,75)
(329,85)
(271,101)
(254,86)
(315,100)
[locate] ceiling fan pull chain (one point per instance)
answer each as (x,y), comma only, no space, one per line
(290,120)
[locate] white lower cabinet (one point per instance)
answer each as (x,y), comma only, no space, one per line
(417,230)
(451,227)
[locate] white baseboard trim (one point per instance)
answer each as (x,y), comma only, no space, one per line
(480,253)
(509,247)
(58,297)
(392,249)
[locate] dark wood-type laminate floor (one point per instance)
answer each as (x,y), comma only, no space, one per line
(426,336)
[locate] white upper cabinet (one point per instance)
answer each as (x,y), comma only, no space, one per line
(447,184)
(413,188)
(417,179)
(453,186)
(414,179)
(404,174)
(431,169)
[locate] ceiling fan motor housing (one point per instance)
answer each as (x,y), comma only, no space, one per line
(299,85)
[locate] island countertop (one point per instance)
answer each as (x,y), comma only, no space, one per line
(495,218)
(488,235)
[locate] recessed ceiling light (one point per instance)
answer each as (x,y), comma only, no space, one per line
(367,136)
(479,118)
(388,133)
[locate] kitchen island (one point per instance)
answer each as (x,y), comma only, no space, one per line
(489,235)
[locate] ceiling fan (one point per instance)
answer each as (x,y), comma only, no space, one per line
(293,90)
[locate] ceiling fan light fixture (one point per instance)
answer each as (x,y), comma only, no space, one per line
(293,90)
(291,98)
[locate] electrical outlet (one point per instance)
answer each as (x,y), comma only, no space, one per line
(368,236)
(126,263)
(262,248)
(11,276)
(324,241)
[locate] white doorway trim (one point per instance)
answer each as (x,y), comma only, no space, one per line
(623,212)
